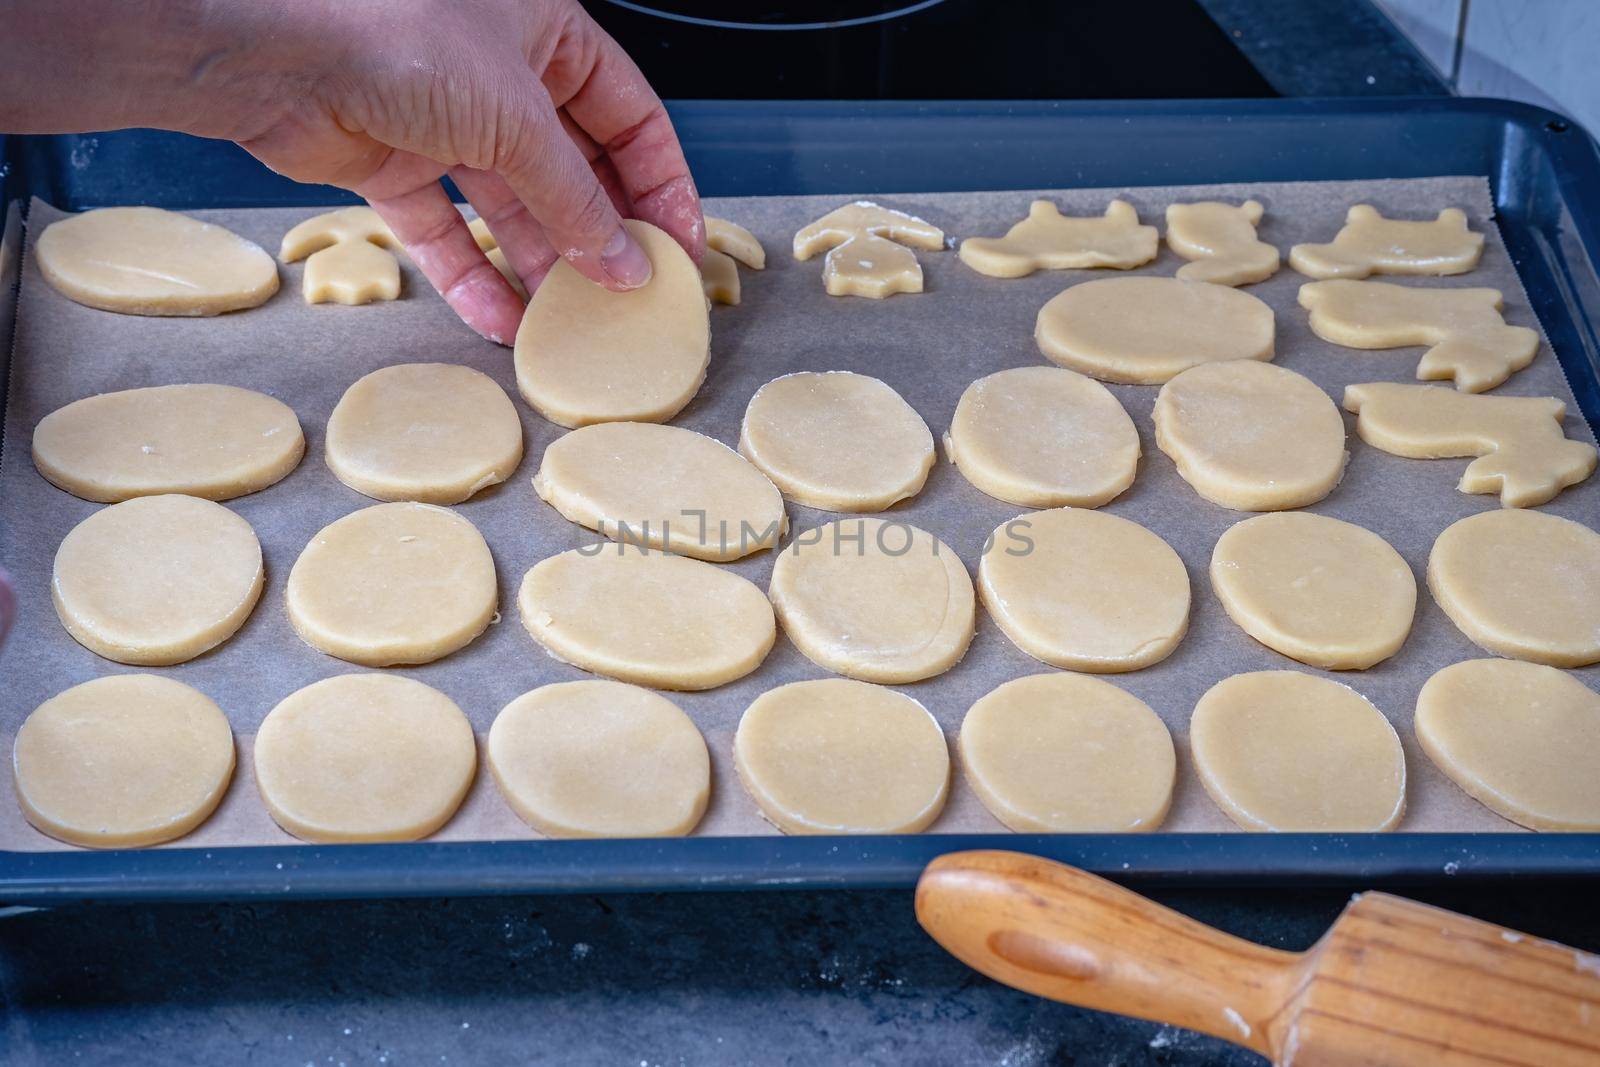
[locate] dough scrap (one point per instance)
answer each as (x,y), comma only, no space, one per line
(390,584)
(145,261)
(662,486)
(1143,330)
(1049,240)
(1043,437)
(1521,739)
(1286,751)
(436,433)
(647,617)
(1470,341)
(211,441)
(1522,453)
(1371,244)
(157,580)
(837,441)
(1085,590)
(1251,436)
(123,761)
(1521,584)
(585,354)
(351,254)
(1062,753)
(873,599)
(727,245)
(835,756)
(490,247)
(600,759)
(364,757)
(1328,593)
(869,249)
(1220,242)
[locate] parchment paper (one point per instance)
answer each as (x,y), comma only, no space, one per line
(928,346)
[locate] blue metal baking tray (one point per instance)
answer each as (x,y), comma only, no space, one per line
(1545,174)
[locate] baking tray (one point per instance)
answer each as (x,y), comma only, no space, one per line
(1545,176)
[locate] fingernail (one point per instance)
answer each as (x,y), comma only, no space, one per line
(624,261)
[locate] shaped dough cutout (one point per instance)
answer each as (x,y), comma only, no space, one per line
(1521,739)
(1220,242)
(1522,454)
(211,441)
(727,245)
(1049,240)
(1470,340)
(867,253)
(490,247)
(351,254)
(145,261)
(1371,244)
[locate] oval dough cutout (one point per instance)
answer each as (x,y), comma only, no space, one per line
(600,759)
(1285,751)
(837,441)
(1061,753)
(364,757)
(123,761)
(835,756)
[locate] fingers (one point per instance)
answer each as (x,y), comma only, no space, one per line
(8,606)
(518,233)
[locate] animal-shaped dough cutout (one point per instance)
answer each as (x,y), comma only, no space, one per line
(727,245)
(1372,244)
(867,249)
(1049,240)
(348,264)
(497,257)
(1471,342)
(1521,451)
(1220,241)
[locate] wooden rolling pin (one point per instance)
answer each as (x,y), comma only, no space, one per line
(1393,982)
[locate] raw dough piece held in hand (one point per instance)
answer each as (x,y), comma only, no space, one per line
(585,354)
(600,759)
(364,757)
(157,580)
(664,487)
(1062,753)
(868,253)
(1371,244)
(837,441)
(145,261)
(1220,241)
(489,245)
(1043,437)
(351,254)
(1143,330)
(1522,454)
(727,245)
(1285,751)
(436,433)
(1049,240)
(1251,436)
(834,756)
(123,761)
(211,441)
(1470,340)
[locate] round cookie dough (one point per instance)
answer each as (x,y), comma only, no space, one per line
(123,761)
(1324,592)
(662,486)
(837,441)
(210,441)
(586,354)
(600,759)
(647,617)
(1085,590)
(1062,753)
(1520,738)
(1251,436)
(1043,437)
(393,584)
(834,756)
(1281,750)
(145,261)
(1521,584)
(1143,330)
(157,580)
(437,433)
(876,600)
(364,757)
